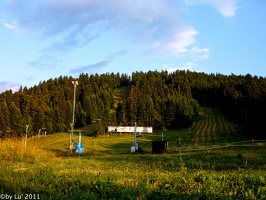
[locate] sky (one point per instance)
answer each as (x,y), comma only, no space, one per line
(40,40)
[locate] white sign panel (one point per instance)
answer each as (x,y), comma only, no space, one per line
(129,129)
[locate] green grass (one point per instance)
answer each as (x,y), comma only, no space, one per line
(231,173)
(108,170)
(213,127)
(212,130)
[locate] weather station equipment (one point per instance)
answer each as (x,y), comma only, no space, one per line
(79,148)
(135,146)
(131,129)
(75,83)
(159,147)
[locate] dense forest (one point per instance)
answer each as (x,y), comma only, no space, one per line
(159,99)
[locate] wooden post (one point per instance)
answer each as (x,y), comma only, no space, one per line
(27,127)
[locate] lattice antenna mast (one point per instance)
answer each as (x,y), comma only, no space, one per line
(75,83)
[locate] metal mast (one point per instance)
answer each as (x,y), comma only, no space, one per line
(75,83)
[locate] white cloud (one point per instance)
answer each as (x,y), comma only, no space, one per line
(153,24)
(186,66)
(199,54)
(10,25)
(4,86)
(150,26)
(227,8)
(178,42)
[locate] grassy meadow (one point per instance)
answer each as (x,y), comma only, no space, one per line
(207,161)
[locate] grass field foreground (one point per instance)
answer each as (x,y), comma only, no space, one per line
(45,167)
(232,173)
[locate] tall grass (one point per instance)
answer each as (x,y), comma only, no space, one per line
(232,173)
(14,150)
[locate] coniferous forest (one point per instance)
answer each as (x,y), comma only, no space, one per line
(162,100)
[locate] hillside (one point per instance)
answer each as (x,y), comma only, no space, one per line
(159,99)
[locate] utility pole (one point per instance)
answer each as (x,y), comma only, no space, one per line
(75,83)
(135,135)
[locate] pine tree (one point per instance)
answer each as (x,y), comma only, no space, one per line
(119,114)
(80,116)
(69,114)
(15,119)
(6,118)
(38,120)
(2,125)
(132,102)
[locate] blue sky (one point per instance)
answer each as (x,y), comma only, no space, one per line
(40,39)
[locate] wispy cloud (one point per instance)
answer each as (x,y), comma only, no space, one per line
(93,68)
(155,25)
(197,53)
(151,27)
(176,43)
(4,86)
(11,26)
(46,61)
(227,8)
(97,67)
(191,66)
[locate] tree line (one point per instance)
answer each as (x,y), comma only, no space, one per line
(159,99)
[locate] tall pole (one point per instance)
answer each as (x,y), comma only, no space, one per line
(135,130)
(70,138)
(75,83)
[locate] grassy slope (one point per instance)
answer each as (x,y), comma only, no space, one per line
(108,169)
(212,129)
